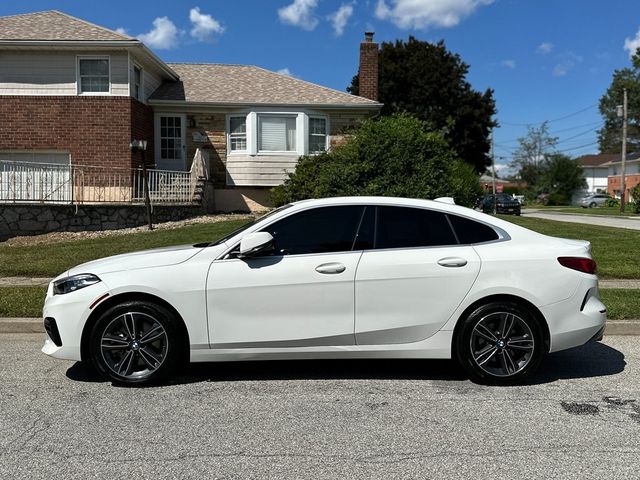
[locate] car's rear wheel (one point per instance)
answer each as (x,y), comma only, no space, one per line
(500,344)
(136,343)
(593,205)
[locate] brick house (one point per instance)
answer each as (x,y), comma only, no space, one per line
(76,94)
(602,172)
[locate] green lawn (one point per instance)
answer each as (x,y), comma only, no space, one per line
(51,260)
(21,301)
(621,304)
(609,211)
(27,302)
(616,250)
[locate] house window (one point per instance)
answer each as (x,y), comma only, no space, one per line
(170,138)
(238,133)
(93,75)
(276,133)
(317,134)
(137,83)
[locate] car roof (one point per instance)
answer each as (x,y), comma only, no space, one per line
(404,202)
(513,230)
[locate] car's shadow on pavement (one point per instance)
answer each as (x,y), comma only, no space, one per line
(591,360)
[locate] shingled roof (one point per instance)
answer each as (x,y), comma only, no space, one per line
(604,159)
(54,26)
(246,84)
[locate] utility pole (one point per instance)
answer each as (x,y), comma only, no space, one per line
(493,173)
(623,180)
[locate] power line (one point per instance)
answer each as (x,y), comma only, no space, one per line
(599,123)
(577,135)
(577,148)
(552,120)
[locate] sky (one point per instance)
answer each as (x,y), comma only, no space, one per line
(545,59)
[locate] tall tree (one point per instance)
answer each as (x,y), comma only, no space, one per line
(429,82)
(610,135)
(535,148)
(562,175)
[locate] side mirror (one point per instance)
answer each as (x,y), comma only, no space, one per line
(255,243)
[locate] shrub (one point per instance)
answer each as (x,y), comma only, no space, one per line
(635,194)
(612,202)
(558,199)
(394,156)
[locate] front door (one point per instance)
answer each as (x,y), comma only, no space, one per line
(170,145)
(301,295)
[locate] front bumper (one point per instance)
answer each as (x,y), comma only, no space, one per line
(69,314)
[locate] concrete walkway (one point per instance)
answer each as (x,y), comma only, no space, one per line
(24,281)
(630,223)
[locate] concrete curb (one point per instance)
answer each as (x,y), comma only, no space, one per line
(21,325)
(34,325)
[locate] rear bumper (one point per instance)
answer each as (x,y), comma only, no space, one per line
(577,320)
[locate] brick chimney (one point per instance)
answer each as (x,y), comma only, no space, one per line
(368,70)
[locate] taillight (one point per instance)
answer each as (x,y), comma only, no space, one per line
(581,264)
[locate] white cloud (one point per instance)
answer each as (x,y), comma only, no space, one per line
(285,71)
(163,36)
(121,31)
(632,44)
(509,64)
(545,48)
(422,14)
(300,14)
(566,63)
(340,17)
(204,25)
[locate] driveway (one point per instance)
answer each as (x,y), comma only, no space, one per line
(580,418)
(624,222)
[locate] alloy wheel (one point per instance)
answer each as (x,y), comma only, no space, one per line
(134,345)
(502,344)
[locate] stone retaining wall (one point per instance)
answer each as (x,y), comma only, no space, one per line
(25,219)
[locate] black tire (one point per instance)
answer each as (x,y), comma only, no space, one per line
(507,358)
(149,354)
(593,205)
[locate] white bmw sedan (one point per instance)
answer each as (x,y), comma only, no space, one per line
(359,277)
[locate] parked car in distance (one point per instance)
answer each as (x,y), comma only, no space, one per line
(505,204)
(594,200)
(353,277)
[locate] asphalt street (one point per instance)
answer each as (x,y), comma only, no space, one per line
(579,418)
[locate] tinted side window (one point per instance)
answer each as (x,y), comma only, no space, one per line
(400,227)
(320,230)
(366,233)
(469,231)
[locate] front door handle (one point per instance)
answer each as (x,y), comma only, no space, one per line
(329,268)
(452,262)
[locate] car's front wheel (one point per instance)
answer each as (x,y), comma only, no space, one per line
(500,344)
(136,343)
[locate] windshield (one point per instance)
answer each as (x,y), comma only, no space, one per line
(247,225)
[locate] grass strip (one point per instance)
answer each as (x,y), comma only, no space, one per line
(21,301)
(614,249)
(621,304)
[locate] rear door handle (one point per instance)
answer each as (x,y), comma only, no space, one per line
(331,268)
(452,262)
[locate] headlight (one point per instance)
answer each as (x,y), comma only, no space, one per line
(73,283)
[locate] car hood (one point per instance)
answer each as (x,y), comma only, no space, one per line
(158,257)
